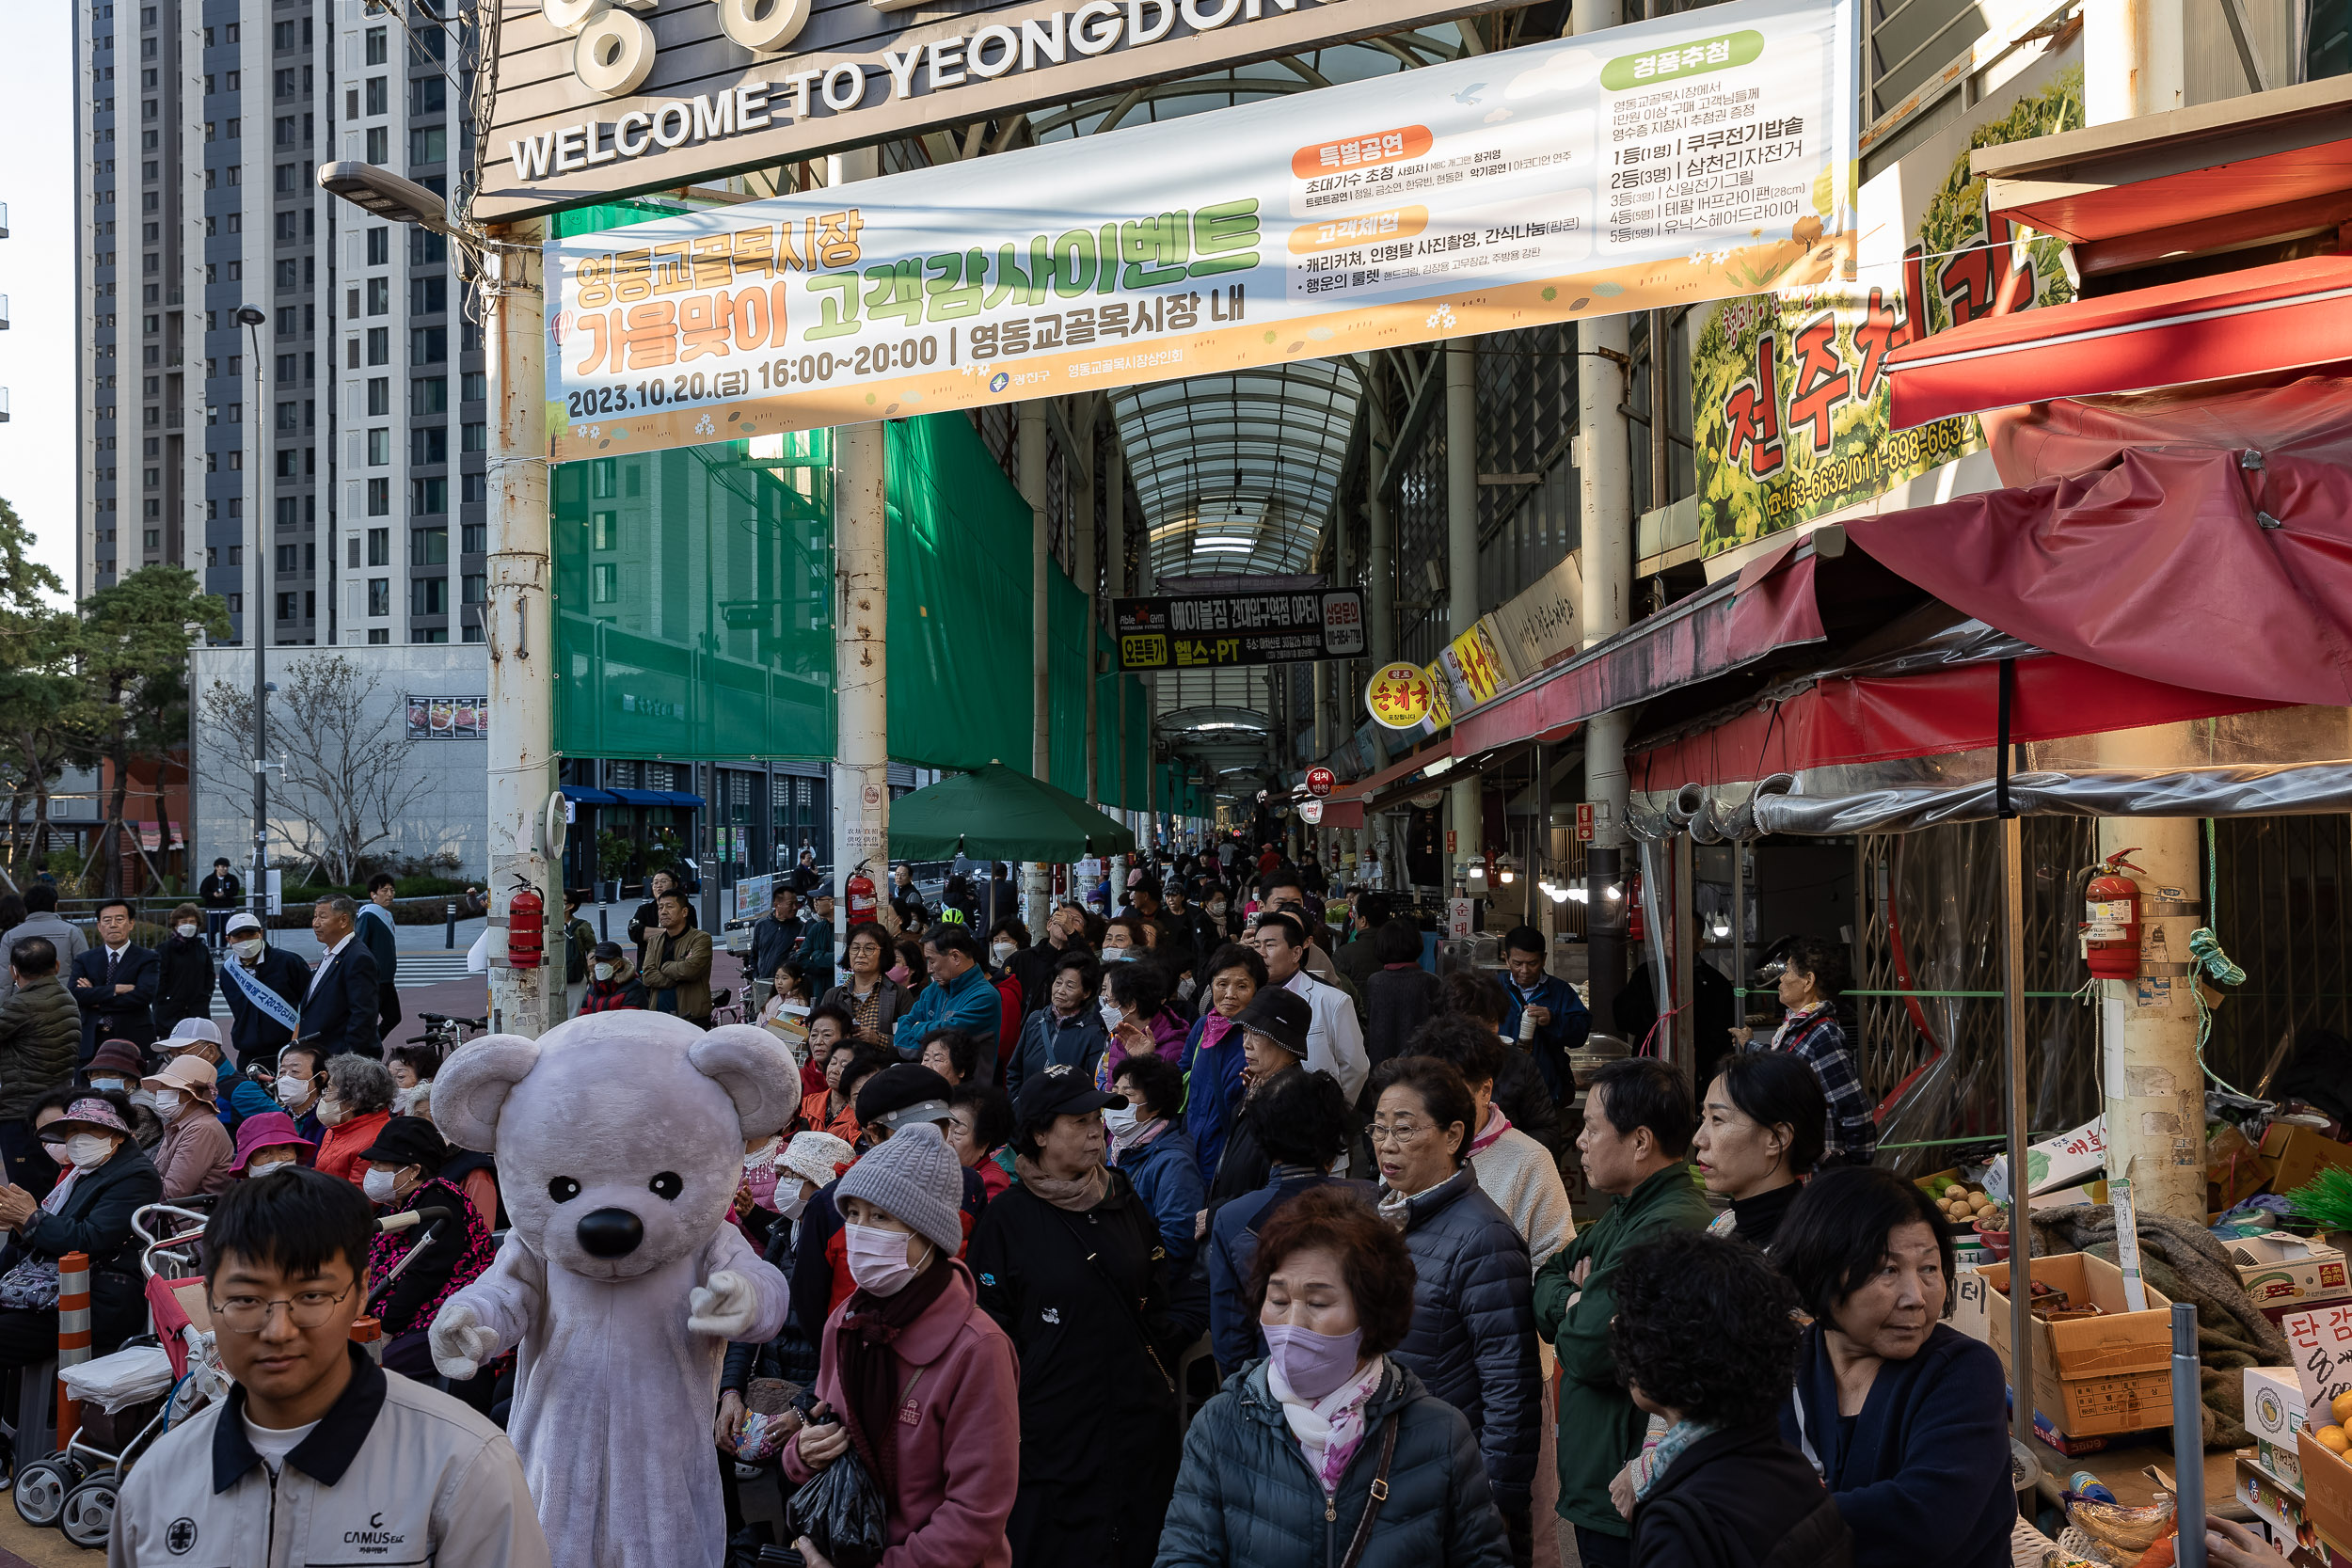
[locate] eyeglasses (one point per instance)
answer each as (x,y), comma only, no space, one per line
(250,1314)
(1397,1132)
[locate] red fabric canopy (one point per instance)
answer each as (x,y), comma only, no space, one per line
(1773,604)
(2237,323)
(2182,565)
(1872,718)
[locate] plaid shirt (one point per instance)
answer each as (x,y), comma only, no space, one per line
(1817,1036)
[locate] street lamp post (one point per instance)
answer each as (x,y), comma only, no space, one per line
(256,626)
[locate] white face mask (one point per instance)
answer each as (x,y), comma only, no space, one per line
(1113,1015)
(88,1150)
(1119,1121)
(108,1083)
(248,948)
(790,1207)
(381,1186)
(168,1102)
(291,1090)
(1217,908)
(1003,950)
(187,928)
(877,1259)
(330,1113)
(604,971)
(262,1167)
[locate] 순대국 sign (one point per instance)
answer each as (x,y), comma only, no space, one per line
(1693,157)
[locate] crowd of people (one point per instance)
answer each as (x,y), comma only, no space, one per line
(1199,1233)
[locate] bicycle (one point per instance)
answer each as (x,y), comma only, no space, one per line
(445,1034)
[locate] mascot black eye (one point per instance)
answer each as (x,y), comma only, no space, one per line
(667,1186)
(562,1189)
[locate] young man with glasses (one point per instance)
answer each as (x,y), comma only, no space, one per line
(317,1455)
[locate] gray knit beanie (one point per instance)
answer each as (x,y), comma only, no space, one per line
(915,1176)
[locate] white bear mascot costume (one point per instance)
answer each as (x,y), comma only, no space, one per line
(619,1138)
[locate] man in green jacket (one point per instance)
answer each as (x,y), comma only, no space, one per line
(40,1039)
(1637,1130)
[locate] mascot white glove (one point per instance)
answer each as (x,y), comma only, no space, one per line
(461,1343)
(726,1307)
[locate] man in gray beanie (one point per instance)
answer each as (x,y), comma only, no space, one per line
(924,1384)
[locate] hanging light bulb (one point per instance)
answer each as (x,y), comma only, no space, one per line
(1504,866)
(1561,895)
(1722,927)
(1612,892)
(1580,894)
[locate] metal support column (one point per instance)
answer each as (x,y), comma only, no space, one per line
(519,628)
(1461,492)
(861,564)
(2013,1070)
(1030,462)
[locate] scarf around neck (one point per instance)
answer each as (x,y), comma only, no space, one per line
(1331,1429)
(1678,1436)
(870,1368)
(1497,1125)
(1074,1194)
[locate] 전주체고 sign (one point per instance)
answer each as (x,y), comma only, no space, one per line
(1687,158)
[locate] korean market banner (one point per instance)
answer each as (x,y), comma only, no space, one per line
(1788,388)
(1687,158)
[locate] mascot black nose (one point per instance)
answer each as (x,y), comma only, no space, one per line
(611,1232)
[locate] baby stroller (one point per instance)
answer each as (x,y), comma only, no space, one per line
(75,1488)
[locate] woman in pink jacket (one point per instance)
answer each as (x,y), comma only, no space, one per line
(923,1381)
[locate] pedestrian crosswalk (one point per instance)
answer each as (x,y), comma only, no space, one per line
(418,968)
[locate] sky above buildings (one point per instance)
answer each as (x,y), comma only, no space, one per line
(37,456)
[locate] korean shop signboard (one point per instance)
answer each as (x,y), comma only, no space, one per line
(1687,158)
(1788,388)
(601,98)
(1209,631)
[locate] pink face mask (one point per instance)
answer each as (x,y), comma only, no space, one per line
(877,1259)
(1312,1363)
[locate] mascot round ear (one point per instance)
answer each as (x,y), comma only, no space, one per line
(471,1086)
(755,1068)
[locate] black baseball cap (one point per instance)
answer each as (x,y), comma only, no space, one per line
(1060,1090)
(408,1141)
(901,1094)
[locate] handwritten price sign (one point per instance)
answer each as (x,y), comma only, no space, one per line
(2322,1339)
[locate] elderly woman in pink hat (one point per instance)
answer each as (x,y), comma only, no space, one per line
(107,1179)
(270,1142)
(196,1154)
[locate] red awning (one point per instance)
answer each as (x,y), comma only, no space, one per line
(2213,571)
(2249,323)
(1856,720)
(1773,604)
(1361,790)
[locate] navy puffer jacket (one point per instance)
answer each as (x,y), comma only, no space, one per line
(1474,1337)
(1246,1497)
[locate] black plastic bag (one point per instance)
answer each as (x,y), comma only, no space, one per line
(842,1510)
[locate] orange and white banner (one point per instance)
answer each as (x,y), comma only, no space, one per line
(1694,157)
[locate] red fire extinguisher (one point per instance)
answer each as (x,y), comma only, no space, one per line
(859,887)
(2111,919)
(526,926)
(1635,929)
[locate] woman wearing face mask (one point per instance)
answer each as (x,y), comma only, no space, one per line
(611,980)
(873,1000)
(118,1065)
(1759,1135)
(919,1379)
(1134,998)
(1069,1265)
(1127,938)
(1904,1416)
(197,1152)
(108,1179)
(1474,1337)
(403,1174)
(352,1107)
(1330,1439)
(268,1142)
(184,985)
(412,1066)
(1148,1145)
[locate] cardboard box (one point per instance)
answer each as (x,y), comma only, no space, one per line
(2281,1270)
(2091,1376)
(2274,1414)
(2291,1156)
(2271,1500)
(2326,1492)
(2064,1161)
(2232,1171)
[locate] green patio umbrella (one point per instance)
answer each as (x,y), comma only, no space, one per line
(996,813)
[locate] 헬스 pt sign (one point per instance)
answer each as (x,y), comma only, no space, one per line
(1693,157)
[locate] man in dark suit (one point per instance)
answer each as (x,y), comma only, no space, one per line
(339,1013)
(221,894)
(114,983)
